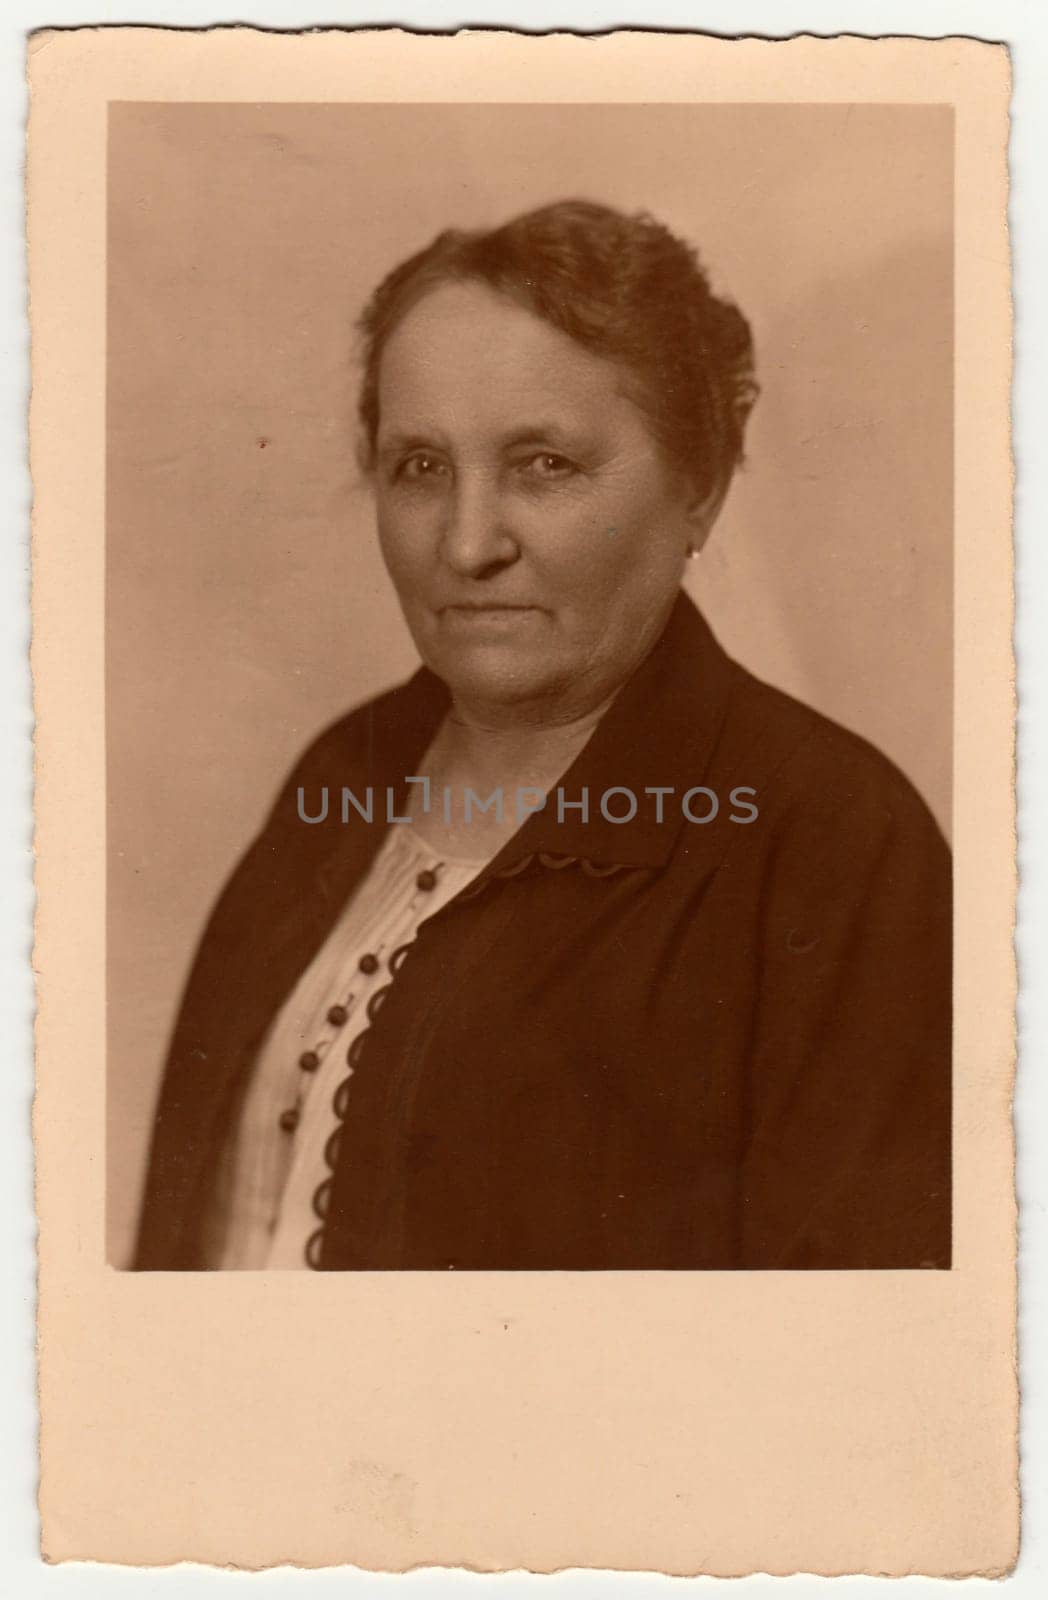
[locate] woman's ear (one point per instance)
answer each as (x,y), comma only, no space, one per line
(702,512)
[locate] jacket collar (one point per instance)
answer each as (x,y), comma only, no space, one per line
(660,731)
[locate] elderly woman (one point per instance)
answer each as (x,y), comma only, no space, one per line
(583,948)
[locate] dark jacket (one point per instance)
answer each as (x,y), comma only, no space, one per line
(626,1045)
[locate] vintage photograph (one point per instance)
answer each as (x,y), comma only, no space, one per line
(525,832)
(529,687)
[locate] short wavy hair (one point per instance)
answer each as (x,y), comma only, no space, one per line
(625,288)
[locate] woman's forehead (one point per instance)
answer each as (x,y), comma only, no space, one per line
(469,357)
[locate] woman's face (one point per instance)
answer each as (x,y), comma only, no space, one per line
(534,533)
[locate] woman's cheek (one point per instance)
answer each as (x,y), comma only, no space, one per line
(583,560)
(576,526)
(404,536)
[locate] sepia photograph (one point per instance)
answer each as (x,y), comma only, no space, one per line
(529,686)
(525,854)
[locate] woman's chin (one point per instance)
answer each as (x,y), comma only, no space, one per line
(496,677)
(506,688)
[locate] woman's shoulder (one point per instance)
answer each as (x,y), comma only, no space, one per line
(348,730)
(815,766)
(370,734)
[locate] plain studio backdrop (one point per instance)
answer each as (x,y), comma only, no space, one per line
(247,603)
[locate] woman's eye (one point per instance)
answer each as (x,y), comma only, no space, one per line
(419,468)
(548,464)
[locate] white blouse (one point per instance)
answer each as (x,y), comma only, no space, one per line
(263,1215)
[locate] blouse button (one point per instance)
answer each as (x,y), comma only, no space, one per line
(337,1015)
(426,880)
(309,1061)
(368,963)
(289,1120)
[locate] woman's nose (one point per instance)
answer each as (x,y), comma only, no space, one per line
(476,535)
